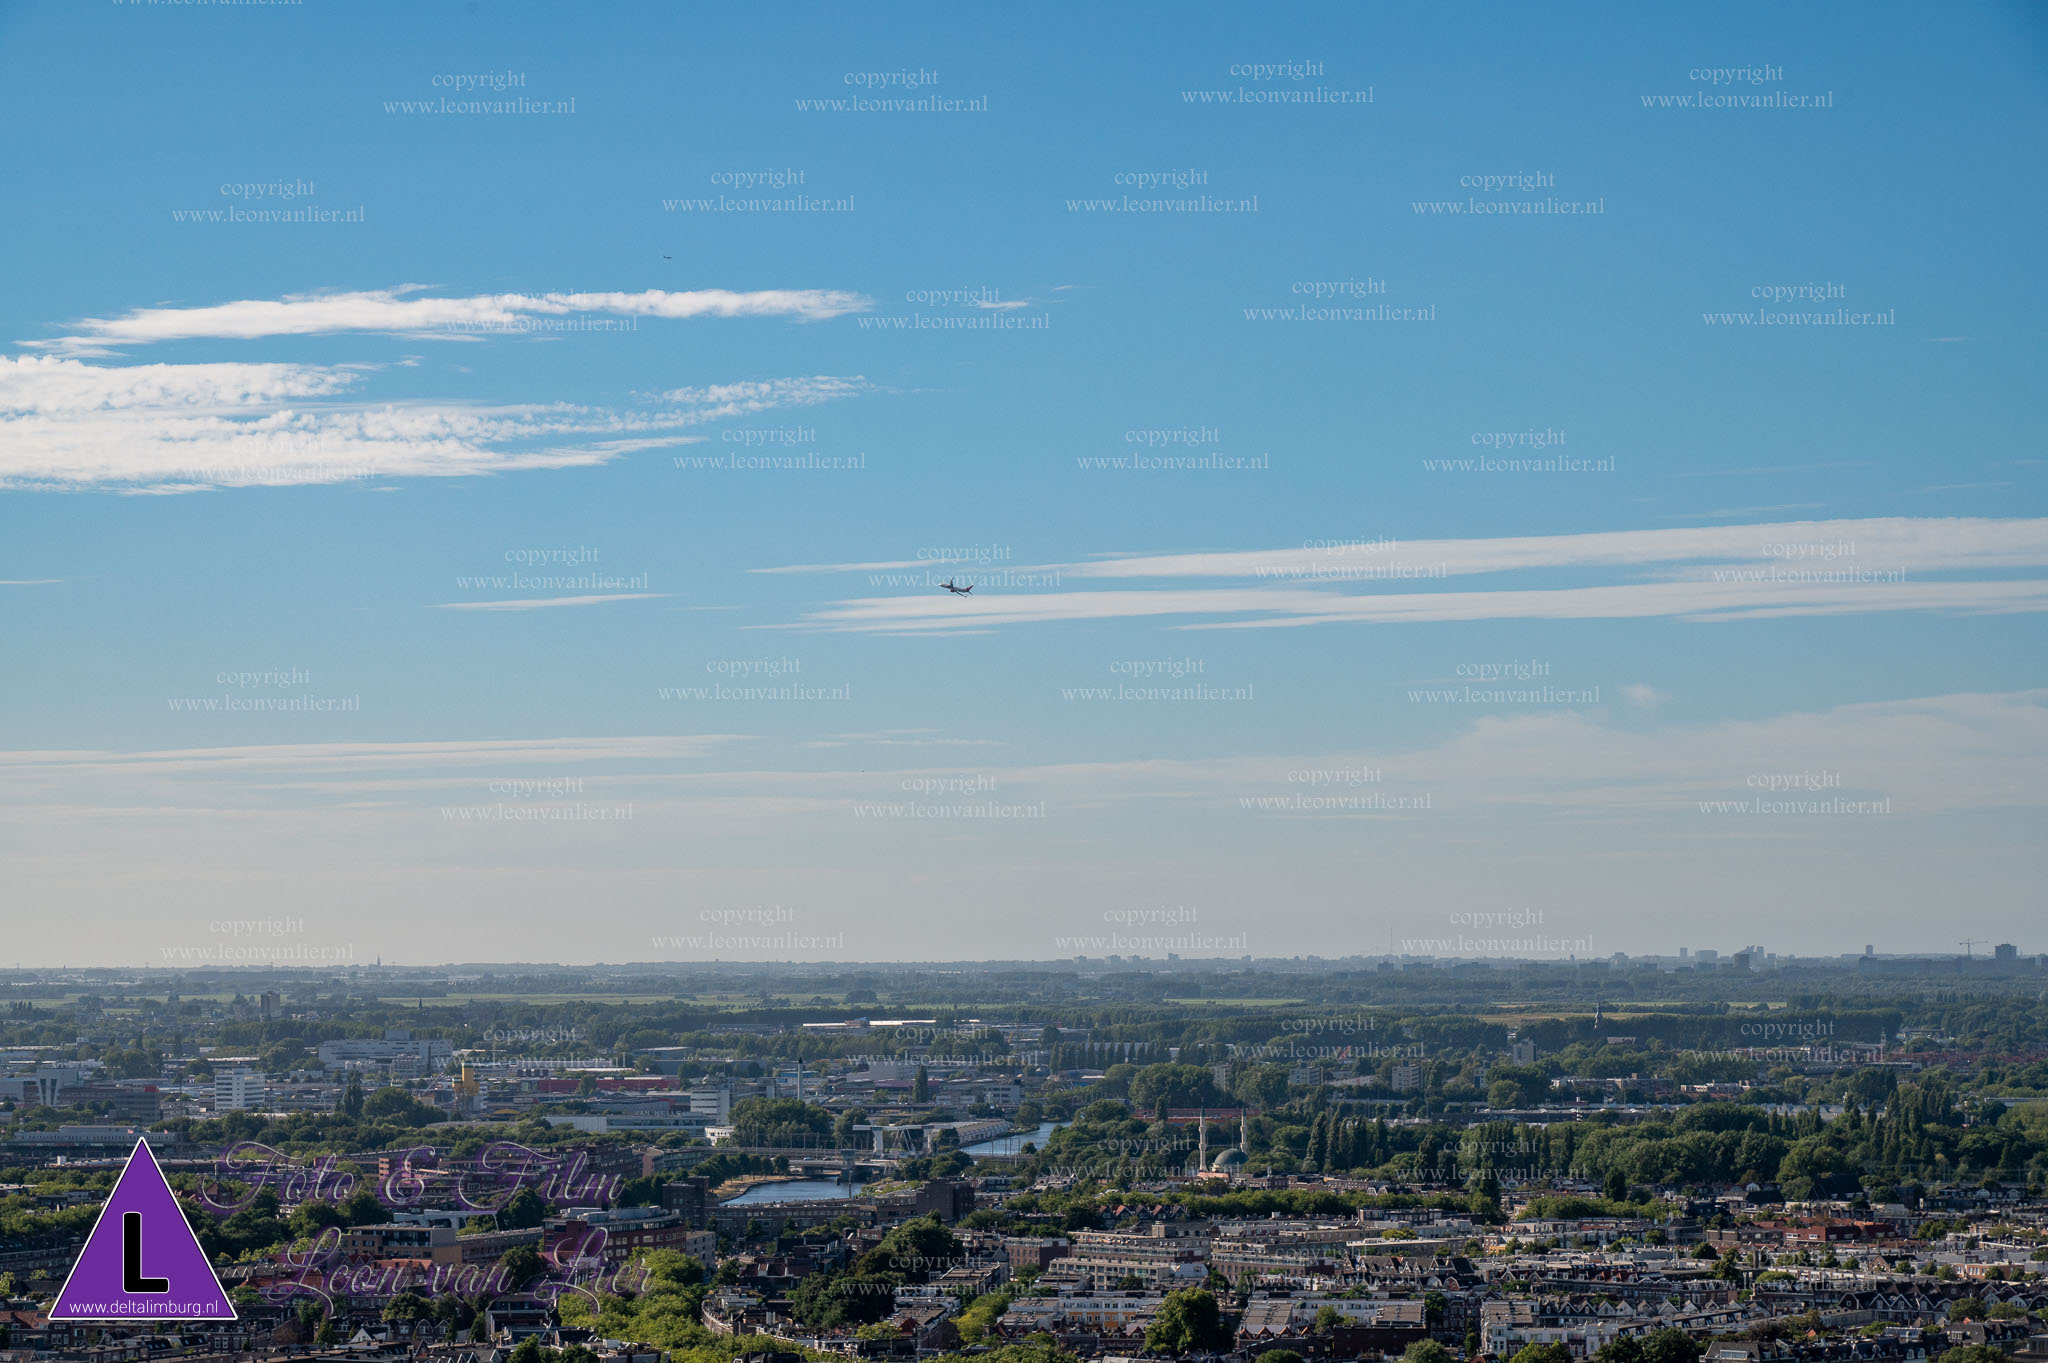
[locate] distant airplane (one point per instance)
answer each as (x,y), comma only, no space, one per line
(957,591)
(668,257)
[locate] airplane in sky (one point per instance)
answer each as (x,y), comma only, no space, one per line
(957,591)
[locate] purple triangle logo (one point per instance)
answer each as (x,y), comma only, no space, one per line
(142,1261)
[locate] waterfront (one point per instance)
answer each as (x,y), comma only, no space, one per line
(1012,1144)
(796,1190)
(818,1189)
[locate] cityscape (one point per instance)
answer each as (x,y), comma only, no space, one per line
(1736,1153)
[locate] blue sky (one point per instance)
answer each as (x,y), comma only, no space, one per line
(1788,559)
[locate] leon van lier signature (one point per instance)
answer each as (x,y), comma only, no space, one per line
(487,1184)
(575,1264)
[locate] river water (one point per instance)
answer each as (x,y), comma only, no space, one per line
(815,1189)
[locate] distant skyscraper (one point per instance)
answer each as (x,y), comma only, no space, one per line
(2005,951)
(236,1090)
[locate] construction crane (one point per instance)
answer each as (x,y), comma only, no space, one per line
(1968,942)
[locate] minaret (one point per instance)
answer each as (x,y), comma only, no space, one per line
(1202,1148)
(1244,1130)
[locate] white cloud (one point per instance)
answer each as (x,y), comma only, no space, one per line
(45,384)
(1915,543)
(1932,754)
(742,399)
(167,428)
(1278,608)
(1714,573)
(393,311)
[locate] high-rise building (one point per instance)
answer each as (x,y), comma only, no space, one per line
(334,1054)
(236,1090)
(2005,951)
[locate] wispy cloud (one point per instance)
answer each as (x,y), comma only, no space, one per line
(1567,811)
(396,311)
(1938,753)
(742,399)
(169,428)
(1698,600)
(1643,697)
(1702,573)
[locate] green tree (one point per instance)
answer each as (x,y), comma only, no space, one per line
(1427,1351)
(915,1249)
(671,1268)
(921,1086)
(1486,1194)
(313,1216)
(779,1121)
(837,1301)
(1327,1319)
(1261,1086)
(1625,1349)
(1542,1353)
(524,1210)
(1188,1321)
(397,1106)
(1670,1345)
(522,1264)
(980,1317)
(1157,1086)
